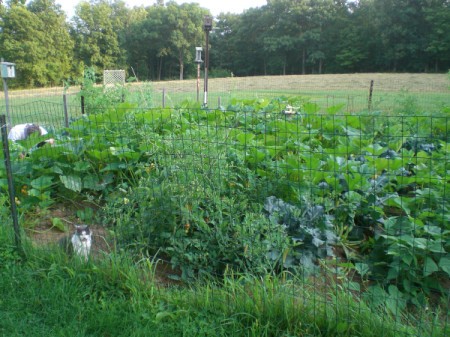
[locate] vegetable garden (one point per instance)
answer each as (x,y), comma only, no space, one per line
(357,200)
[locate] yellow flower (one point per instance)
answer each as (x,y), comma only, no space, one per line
(126,201)
(186,227)
(24,189)
(150,168)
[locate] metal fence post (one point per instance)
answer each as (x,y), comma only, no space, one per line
(66,115)
(164,98)
(12,199)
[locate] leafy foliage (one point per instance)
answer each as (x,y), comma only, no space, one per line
(26,37)
(311,230)
(252,188)
(281,37)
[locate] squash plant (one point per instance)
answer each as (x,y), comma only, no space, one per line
(198,184)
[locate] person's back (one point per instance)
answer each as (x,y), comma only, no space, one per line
(23,131)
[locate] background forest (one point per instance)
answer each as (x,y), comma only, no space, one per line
(283,37)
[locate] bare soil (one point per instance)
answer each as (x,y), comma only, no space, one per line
(42,233)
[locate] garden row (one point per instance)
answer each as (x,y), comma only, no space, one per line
(252,189)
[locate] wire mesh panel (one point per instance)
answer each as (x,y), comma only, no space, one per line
(113,77)
(348,211)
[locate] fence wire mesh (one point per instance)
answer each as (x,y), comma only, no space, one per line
(352,202)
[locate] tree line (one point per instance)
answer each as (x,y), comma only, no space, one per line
(158,41)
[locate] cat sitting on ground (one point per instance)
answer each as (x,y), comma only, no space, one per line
(79,243)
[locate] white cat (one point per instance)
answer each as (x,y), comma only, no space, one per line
(79,243)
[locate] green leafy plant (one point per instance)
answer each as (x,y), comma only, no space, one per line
(417,257)
(310,229)
(203,228)
(251,188)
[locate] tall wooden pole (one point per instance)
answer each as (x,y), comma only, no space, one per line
(207,27)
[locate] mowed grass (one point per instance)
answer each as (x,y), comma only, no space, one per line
(391,93)
(44,294)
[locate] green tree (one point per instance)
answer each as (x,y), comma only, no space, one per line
(96,27)
(351,38)
(186,22)
(237,44)
(147,43)
(133,41)
(297,29)
(281,35)
(36,38)
(224,51)
(437,15)
(401,27)
(165,39)
(58,43)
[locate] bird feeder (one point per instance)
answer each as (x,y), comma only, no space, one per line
(8,69)
(198,55)
(198,60)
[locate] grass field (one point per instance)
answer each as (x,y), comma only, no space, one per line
(391,93)
(389,90)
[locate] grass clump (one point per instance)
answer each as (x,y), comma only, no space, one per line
(43,294)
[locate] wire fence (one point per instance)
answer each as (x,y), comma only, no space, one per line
(353,201)
(351,92)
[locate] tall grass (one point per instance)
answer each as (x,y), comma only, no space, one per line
(45,294)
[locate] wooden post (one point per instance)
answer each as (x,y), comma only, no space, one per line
(370,95)
(198,81)
(205,94)
(82,105)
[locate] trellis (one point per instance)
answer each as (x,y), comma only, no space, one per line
(113,77)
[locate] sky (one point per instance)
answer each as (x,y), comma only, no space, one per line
(215,6)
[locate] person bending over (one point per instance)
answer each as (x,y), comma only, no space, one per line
(24,131)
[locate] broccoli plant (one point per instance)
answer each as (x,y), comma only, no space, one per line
(310,229)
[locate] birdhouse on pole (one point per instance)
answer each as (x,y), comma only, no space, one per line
(8,69)
(207,23)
